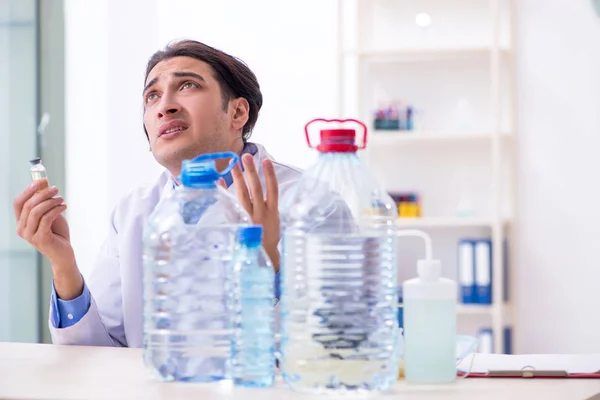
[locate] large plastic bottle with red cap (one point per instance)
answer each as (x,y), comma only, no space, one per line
(339,277)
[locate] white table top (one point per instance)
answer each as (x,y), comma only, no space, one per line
(39,371)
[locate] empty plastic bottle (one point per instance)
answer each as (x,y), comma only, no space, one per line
(339,277)
(252,293)
(187,254)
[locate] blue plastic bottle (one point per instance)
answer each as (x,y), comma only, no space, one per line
(339,278)
(187,254)
(253,345)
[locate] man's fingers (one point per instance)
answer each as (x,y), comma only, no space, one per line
(48,218)
(253,181)
(272,185)
(37,213)
(32,202)
(240,187)
(22,198)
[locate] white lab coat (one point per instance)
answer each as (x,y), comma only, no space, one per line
(115,316)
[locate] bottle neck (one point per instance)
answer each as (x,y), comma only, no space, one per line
(338,153)
(249,251)
(199,186)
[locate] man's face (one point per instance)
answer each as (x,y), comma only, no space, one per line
(183,112)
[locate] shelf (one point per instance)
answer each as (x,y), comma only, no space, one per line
(418,54)
(475,309)
(451,222)
(385,137)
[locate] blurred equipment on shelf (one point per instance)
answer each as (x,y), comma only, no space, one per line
(394,116)
(409,204)
(466,205)
(400,308)
(475,271)
(464,115)
(486,340)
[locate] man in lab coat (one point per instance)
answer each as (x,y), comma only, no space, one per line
(196,100)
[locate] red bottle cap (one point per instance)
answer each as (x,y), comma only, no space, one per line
(339,140)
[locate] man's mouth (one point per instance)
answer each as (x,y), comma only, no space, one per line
(171,129)
(169,133)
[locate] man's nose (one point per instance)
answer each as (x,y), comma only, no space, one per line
(168,108)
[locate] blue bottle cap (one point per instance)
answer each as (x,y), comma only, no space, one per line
(250,236)
(199,174)
(202,170)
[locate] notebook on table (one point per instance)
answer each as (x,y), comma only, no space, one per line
(531,365)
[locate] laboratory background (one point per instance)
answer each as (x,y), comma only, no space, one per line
(483,117)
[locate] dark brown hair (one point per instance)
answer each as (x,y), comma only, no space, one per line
(234,76)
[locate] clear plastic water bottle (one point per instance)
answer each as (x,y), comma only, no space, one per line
(253,345)
(187,254)
(339,277)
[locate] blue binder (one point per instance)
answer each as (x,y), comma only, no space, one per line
(466,271)
(486,341)
(483,271)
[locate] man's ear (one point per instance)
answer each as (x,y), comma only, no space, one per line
(241,112)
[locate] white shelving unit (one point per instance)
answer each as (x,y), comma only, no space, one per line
(461,61)
(450,222)
(424,54)
(391,138)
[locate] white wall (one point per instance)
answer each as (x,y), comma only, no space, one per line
(557,270)
(107,47)
(86,53)
(106,150)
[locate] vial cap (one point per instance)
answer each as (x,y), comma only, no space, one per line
(35,161)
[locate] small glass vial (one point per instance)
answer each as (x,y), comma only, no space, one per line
(38,171)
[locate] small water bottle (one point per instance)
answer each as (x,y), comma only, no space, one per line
(253,344)
(430,326)
(189,244)
(339,315)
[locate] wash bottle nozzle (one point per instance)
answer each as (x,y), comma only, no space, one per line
(429,270)
(426,239)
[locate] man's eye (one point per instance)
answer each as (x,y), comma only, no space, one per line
(151,97)
(189,85)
